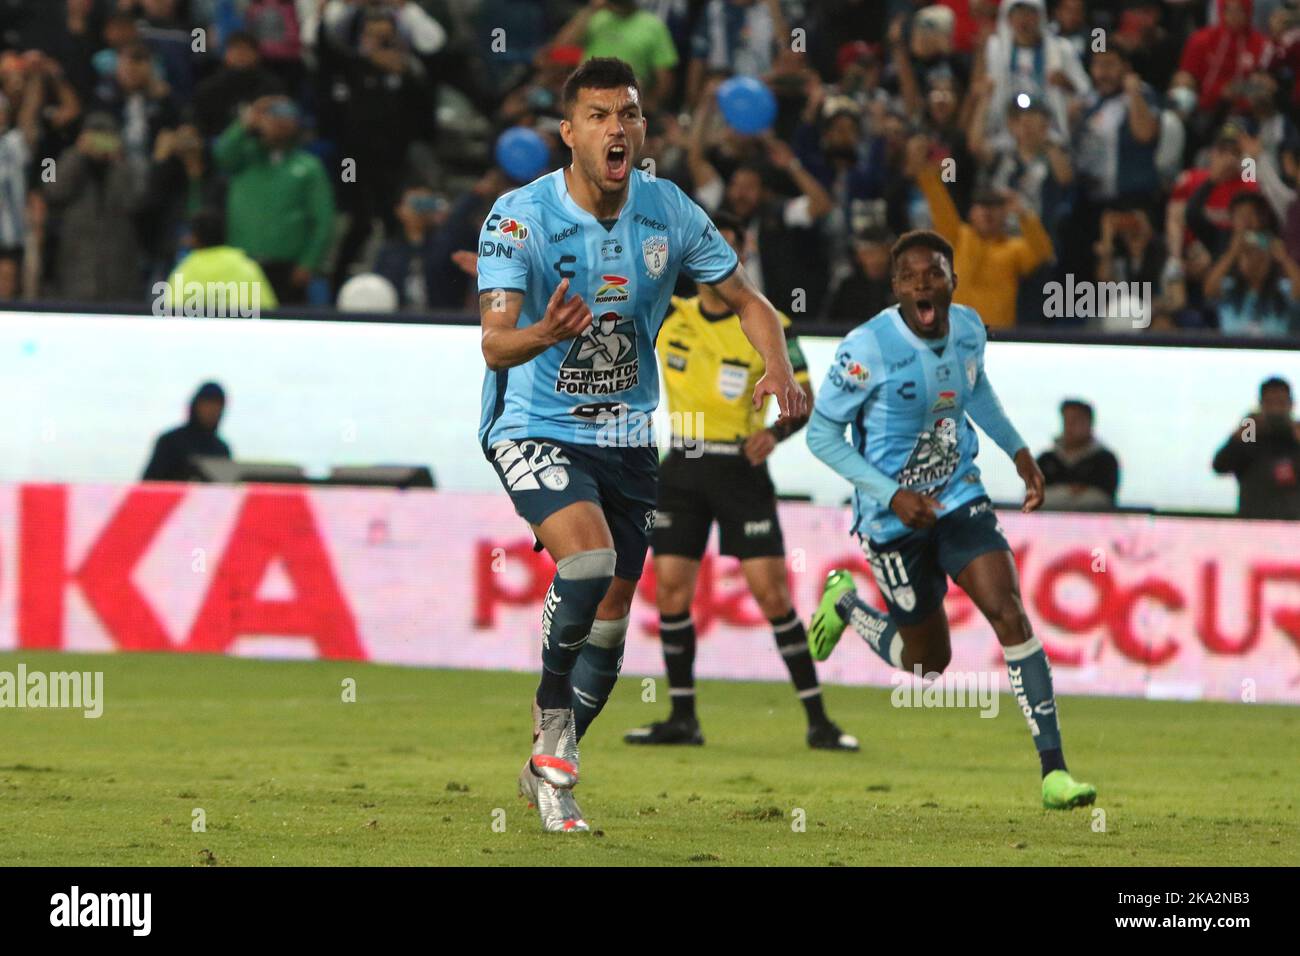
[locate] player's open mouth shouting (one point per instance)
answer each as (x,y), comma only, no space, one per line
(616,161)
(925,313)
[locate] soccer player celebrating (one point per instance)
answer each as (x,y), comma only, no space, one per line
(904,383)
(717,471)
(570,389)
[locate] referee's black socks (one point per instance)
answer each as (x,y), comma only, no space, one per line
(677,635)
(792,642)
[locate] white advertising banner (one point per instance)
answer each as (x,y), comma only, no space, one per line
(85,396)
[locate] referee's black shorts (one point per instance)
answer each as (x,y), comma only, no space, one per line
(726,488)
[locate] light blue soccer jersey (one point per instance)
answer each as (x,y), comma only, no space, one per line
(906,406)
(624,269)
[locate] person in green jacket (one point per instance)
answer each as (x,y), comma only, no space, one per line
(280,205)
(216,280)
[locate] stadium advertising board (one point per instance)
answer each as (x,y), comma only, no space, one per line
(336,393)
(1126,605)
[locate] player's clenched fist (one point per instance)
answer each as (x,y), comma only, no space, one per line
(564,319)
(914,509)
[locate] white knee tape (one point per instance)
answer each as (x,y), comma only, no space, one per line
(597,563)
(608,633)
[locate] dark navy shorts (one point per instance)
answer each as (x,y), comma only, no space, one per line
(912,572)
(543,475)
(726,488)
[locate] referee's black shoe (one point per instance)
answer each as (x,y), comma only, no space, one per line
(828,736)
(679,731)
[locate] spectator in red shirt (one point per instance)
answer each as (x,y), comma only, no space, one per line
(1224,53)
(1283,56)
(1208,194)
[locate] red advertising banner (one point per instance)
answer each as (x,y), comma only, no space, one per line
(1128,605)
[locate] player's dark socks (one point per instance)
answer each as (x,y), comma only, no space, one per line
(1031,685)
(1051,760)
(555,690)
(580,583)
(677,638)
(792,642)
(596,672)
(873,626)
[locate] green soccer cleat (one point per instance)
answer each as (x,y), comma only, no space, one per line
(827,626)
(1061,791)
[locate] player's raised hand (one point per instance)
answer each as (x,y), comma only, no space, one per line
(1032,476)
(914,509)
(564,318)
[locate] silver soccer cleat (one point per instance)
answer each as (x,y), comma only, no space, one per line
(557,808)
(555,805)
(550,759)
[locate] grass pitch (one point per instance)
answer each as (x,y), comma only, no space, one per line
(419,768)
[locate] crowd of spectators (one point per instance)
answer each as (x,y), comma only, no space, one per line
(1147,144)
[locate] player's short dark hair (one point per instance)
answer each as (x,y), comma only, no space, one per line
(1081,405)
(919,238)
(598,73)
(1275,382)
(725,220)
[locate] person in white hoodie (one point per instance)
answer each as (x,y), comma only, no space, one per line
(1022,56)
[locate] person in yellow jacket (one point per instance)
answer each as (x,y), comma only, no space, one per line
(990,262)
(717,473)
(216,280)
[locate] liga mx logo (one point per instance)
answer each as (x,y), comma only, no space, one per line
(513,230)
(654,251)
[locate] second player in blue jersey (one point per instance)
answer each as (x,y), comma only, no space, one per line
(906,385)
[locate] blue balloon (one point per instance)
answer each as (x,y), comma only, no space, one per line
(522,153)
(747,105)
